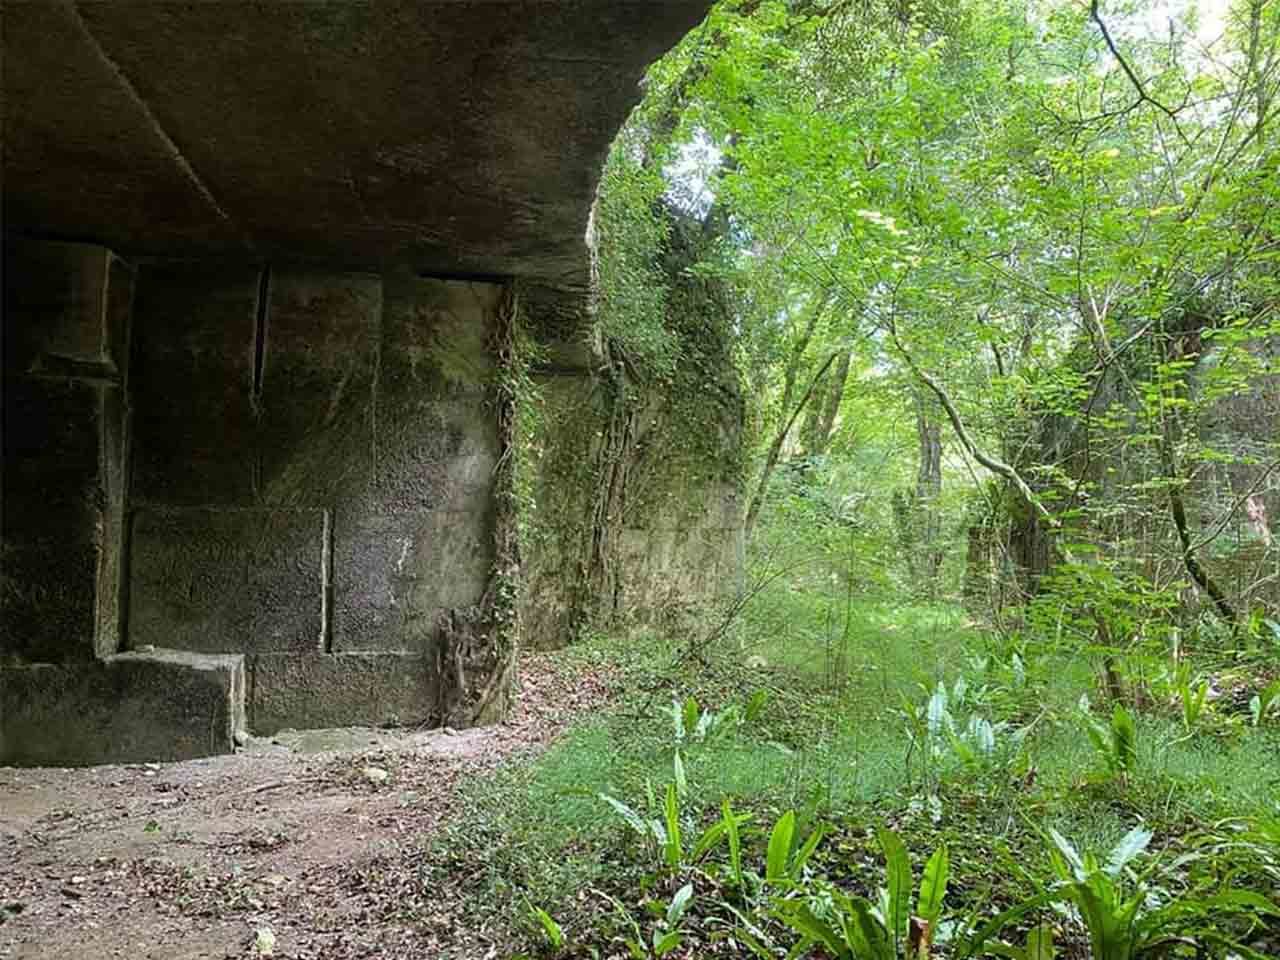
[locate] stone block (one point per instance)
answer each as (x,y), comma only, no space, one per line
(111,532)
(161,705)
(434,454)
(217,580)
(66,311)
(58,491)
(436,335)
(319,378)
(66,344)
(195,430)
(365,689)
(394,574)
(435,431)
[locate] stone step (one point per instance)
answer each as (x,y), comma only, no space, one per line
(136,706)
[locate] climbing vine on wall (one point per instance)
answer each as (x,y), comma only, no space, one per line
(478,646)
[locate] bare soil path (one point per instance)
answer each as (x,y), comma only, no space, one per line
(306,845)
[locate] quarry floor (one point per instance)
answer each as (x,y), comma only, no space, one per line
(309,844)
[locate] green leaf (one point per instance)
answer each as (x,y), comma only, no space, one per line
(933,885)
(735,842)
(1040,943)
(978,941)
(679,904)
(1130,846)
(752,943)
(867,935)
(690,717)
(1100,737)
(677,722)
(630,816)
(939,716)
(1124,735)
(961,749)
(898,880)
(756,705)
(708,841)
(1069,853)
(805,852)
(674,846)
(779,850)
(803,921)
(1108,933)
(550,929)
(1249,900)
(682,783)
(983,734)
(666,943)
(1267,697)
(710,719)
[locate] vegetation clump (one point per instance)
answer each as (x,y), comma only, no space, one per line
(995,285)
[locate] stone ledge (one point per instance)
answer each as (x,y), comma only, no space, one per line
(128,708)
(346,689)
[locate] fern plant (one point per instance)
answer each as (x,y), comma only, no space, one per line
(1115,742)
(1193,697)
(1263,703)
(1125,912)
(901,925)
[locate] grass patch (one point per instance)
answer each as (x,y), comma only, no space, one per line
(834,743)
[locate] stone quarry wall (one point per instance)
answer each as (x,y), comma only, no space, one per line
(239,497)
(634,500)
(277,480)
(238,493)
(633,494)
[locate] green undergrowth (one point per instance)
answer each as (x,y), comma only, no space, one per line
(910,720)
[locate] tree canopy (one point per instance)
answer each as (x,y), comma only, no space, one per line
(1026,247)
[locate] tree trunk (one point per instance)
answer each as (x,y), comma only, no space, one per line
(1030,546)
(928,490)
(978,572)
(821,419)
(775,449)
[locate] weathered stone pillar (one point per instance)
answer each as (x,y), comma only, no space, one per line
(67,695)
(66,347)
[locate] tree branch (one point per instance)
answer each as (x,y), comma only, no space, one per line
(992,463)
(1179,513)
(775,449)
(1138,85)
(1226,518)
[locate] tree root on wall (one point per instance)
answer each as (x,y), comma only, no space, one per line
(476,647)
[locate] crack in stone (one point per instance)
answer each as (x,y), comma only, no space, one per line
(326,583)
(171,148)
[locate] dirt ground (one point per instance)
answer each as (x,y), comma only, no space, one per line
(305,845)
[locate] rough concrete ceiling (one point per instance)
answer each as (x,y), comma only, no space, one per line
(447,137)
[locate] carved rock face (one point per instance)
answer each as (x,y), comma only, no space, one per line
(460,137)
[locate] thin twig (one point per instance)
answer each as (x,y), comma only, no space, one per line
(1221,524)
(1138,85)
(277,784)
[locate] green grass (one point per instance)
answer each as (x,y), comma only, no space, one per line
(832,743)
